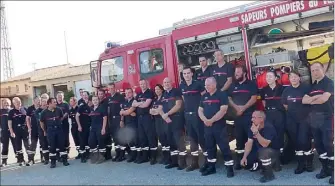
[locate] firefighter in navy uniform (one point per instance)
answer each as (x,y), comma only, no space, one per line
(161,127)
(242,96)
(262,146)
(18,129)
(32,129)
(43,140)
(51,124)
(205,71)
(104,103)
(114,102)
(275,111)
(192,91)
(81,100)
(146,126)
(222,71)
(98,131)
(65,120)
(129,121)
(321,99)
(297,123)
(213,106)
(173,117)
(74,126)
(5,134)
(84,123)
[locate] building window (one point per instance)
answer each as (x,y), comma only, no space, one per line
(112,70)
(25,87)
(151,62)
(17,89)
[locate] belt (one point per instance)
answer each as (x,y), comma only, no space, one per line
(115,116)
(271,108)
(190,113)
(21,125)
(54,126)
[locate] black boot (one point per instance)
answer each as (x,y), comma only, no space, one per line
(194,165)
(64,159)
(20,159)
(167,158)
(132,156)
(268,174)
(42,157)
(46,158)
(53,163)
(204,166)
(78,156)
(4,163)
(117,154)
(138,156)
(101,158)
(237,165)
(209,170)
(173,163)
(83,158)
(144,157)
(182,162)
(324,170)
(121,157)
(277,164)
(301,165)
(153,157)
(309,162)
(230,171)
(59,159)
(331,170)
(31,160)
(108,154)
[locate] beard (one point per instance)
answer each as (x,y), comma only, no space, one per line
(239,79)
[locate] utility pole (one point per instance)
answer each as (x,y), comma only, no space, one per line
(67,57)
(6,50)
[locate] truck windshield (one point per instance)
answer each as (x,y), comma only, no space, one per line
(112,70)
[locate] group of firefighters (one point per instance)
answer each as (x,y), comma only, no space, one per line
(200,105)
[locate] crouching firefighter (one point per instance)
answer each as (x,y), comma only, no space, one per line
(51,124)
(129,121)
(84,123)
(262,145)
(173,117)
(192,91)
(213,106)
(321,99)
(98,132)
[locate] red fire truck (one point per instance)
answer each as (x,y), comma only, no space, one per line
(282,35)
(260,35)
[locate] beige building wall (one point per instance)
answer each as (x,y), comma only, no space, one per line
(20,88)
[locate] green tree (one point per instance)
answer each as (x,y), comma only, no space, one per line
(67,95)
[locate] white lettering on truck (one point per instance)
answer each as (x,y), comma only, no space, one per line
(253,16)
(329,2)
(292,7)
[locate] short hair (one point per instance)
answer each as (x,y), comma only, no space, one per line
(16,99)
(212,79)
(74,99)
(87,92)
(81,89)
(60,92)
(317,62)
(129,89)
(50,100)
(203,57)
(101,90)
(111,84)
(188,67)
(244,69)
(37,97)
(219,50)
(6,99)
(45,96)
(262,113)
(273,72)
(295,72)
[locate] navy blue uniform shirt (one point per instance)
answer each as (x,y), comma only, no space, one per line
(211,104)
(114,103)
(97,116)
(38,114)
(17,117)
(292,97)
(222,74)
(81,101)
(84,110)
(203,75)
(272,97)
(269,133)
(125,106)
(53,118)
(104,104)
(142,97)
(325,85)
(241,93)
(169,99)
(72,115)
(65,108)
(4,119)
(155,104)
(192,95)
(31,113)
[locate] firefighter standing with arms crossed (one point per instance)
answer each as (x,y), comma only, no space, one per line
(242,96)
(43,140)
(321,99)
(192,91)
(222,71)
(172,115)
(212,109)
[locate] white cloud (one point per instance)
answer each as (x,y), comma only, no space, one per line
(36,29)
